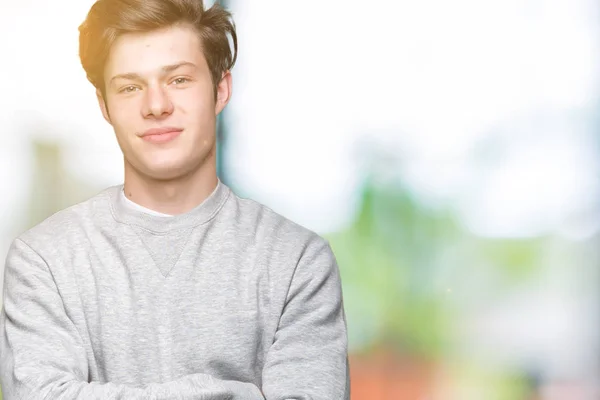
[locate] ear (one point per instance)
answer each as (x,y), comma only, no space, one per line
(223,92)
(103,106)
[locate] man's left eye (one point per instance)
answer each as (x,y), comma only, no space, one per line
(180,80)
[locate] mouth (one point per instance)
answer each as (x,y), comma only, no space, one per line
(161,135)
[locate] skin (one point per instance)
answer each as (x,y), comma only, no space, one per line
(161,79)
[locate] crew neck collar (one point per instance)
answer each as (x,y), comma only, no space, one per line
(200,214)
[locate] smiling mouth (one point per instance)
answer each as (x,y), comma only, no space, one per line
(162,135)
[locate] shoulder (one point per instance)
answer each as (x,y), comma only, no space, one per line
(291,251)
(274,229)
(67,222)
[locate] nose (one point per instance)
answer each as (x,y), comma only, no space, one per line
(157,103)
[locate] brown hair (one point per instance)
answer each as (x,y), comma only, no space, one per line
(108,19)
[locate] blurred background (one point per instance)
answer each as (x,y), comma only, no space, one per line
(449,151)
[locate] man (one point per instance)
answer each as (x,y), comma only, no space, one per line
(169,286)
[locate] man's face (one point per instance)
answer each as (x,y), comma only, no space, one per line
(160,101)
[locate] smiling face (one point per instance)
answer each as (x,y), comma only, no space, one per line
(160,99)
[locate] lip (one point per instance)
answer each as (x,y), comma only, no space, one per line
(161,135)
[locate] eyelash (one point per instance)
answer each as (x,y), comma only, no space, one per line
(125,89)
(186,80)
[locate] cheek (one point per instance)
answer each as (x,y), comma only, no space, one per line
(123,118)
(197,102)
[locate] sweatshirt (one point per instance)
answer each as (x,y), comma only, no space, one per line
(227,301)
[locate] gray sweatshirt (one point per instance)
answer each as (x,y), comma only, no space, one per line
(227,301)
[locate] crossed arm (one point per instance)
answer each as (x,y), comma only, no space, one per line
(42,356)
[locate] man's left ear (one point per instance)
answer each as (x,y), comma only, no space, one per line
(223,92)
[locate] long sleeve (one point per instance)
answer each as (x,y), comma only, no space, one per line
(308,359)
(42,355)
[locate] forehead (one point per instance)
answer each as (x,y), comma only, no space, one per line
(146,53)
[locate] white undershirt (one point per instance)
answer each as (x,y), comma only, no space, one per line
(138,207)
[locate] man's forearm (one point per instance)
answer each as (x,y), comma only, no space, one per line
(190,387)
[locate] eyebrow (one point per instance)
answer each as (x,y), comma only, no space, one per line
(166,69)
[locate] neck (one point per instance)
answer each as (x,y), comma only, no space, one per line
(171,196)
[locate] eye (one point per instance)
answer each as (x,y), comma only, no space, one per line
(179,81)
(128,89)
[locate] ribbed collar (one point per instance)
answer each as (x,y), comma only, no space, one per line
(196,216)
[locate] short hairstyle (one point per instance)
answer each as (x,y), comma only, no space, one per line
(108,19)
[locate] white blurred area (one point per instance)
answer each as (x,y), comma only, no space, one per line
(431,80)
(490,106)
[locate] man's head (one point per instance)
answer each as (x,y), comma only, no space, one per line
(160,64)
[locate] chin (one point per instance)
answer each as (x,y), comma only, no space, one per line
(161,171)
(166,174)
(169,168)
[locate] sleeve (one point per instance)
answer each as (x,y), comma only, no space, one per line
(42,355)
(308,359)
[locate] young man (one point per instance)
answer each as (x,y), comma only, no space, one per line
(169,286)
